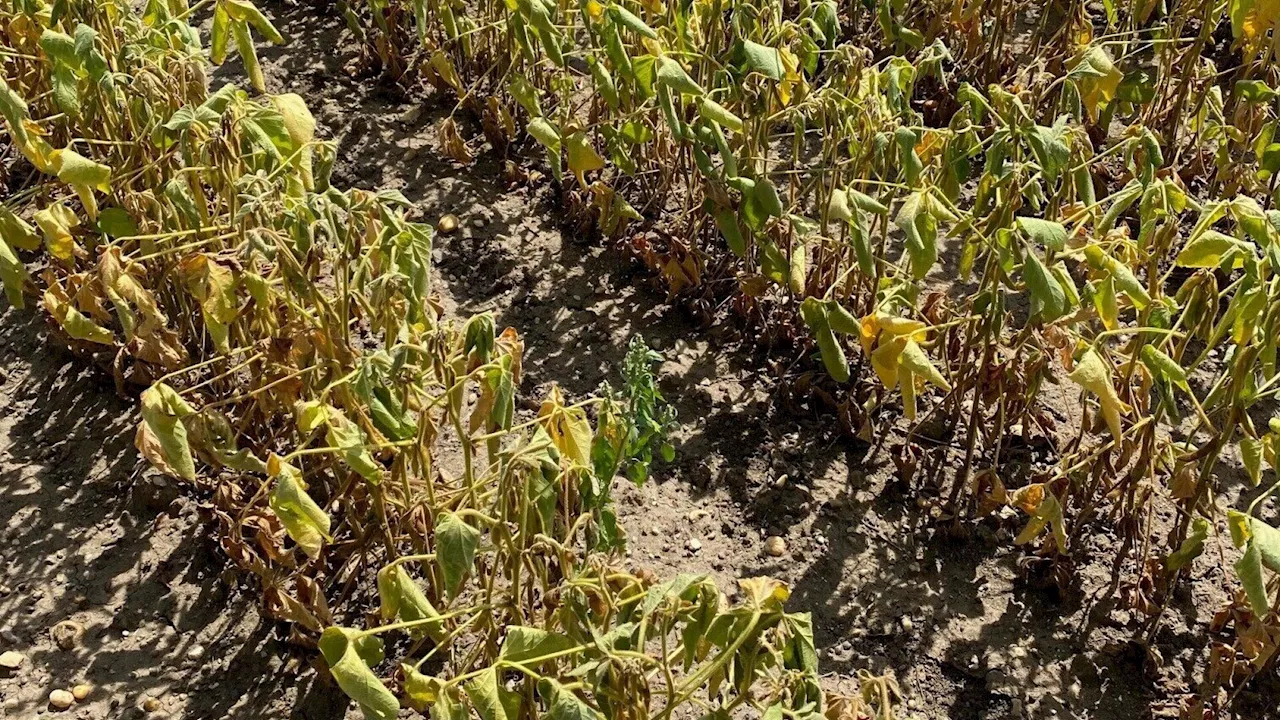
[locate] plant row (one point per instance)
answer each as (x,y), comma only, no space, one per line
(950,232)
(360,450)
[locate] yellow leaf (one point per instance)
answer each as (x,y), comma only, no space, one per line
(1045,510)
(214,285)
(56,222)
(764,593)
(1097,77)
(304,520)
(73,322)
(583,158)
(301,126)
(878,323)
(1093,375)
(567,427)
(915,360)
(83,175)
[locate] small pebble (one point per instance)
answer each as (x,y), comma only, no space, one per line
(61,699)
(11,659)
(195,652)
(81,691)
(694,545)
(775,546)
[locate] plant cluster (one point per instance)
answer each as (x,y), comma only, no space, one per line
(957,206)
(358,448)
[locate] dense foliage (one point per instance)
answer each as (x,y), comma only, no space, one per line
(359,449)
(956,207)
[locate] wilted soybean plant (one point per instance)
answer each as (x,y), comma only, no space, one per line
(356,448)
(974,202)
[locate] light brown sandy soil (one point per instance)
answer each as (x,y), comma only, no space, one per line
(88,535)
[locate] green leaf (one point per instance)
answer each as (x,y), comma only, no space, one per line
(672,74)
(13,274)
(1249,569)
(727,222)
(491,698)
(527,643)
(116,223)
(754,57)
(1261,543)
(349,656)
(800,652)
(814,314)
(245,11)
(305,522)
(1163,366)
(565,704)
(921,231)
(1255,91)
(1191,548)
(456,544)
(350,439)
(162,413)
(719,114)
(1048,233)
(1048,301)
(1050,146)
(628,20)
(1209,248)
(65,69)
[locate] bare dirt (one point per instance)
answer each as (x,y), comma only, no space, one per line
(88,535)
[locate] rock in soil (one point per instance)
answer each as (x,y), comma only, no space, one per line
(67,634)
(11,659)
(61,699)
(775,546)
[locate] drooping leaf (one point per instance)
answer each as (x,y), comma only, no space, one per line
(568,427)
(163,410)
(564,704)
(400,597)
(1048,301)
(491,698)
(304,520)
(1092,374)
(527,643)
(349,656)
(1191,547)
(1210,248)
(1161,365)
(583,158)
(456,544)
